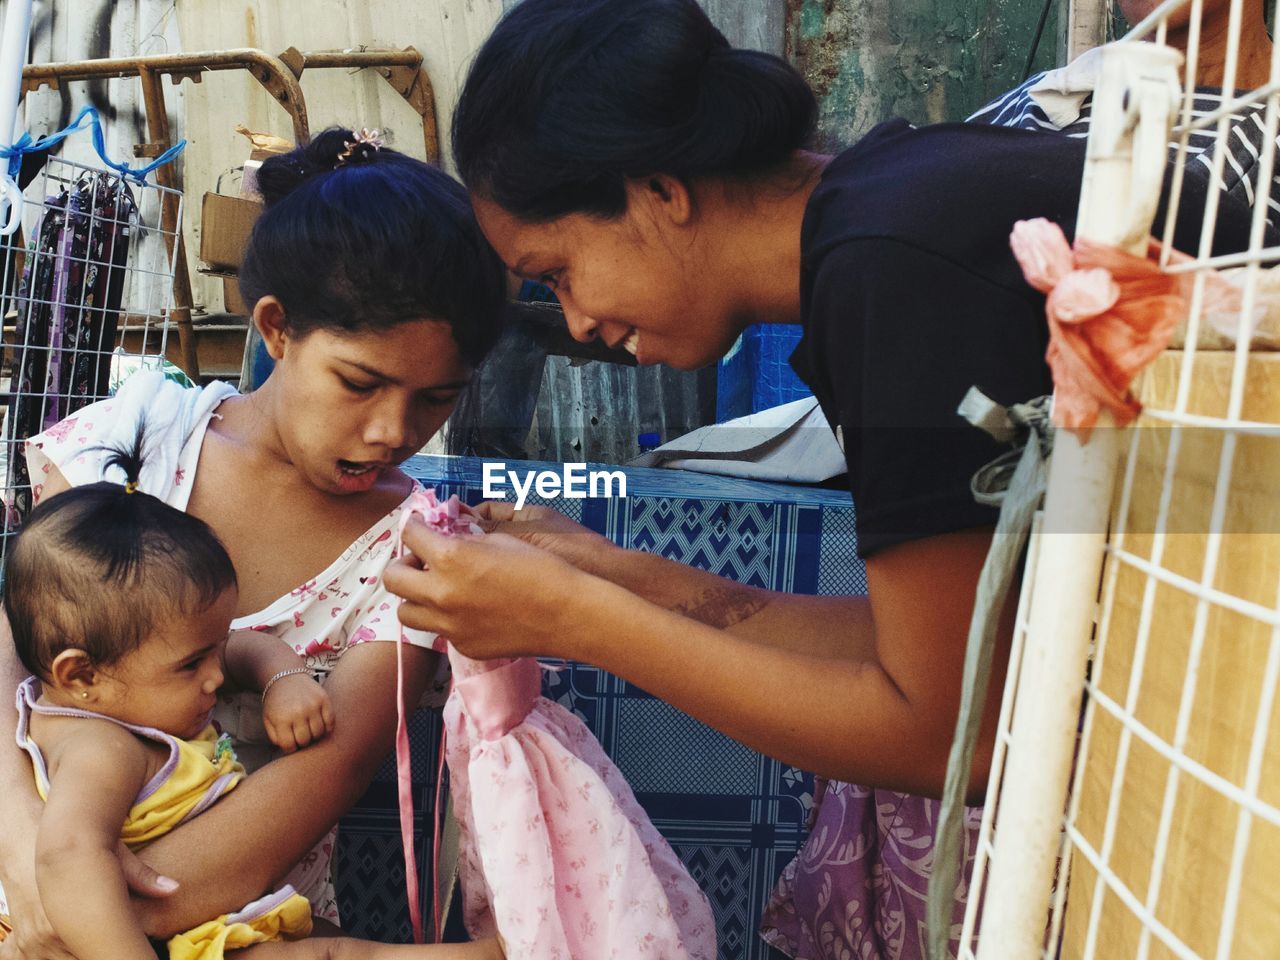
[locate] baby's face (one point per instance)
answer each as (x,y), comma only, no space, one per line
(170,682)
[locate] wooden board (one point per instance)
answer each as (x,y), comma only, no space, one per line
(1224,709)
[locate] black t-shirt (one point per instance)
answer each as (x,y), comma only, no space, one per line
(910,295)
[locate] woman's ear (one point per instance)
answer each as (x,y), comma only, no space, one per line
(73,673)
(268,317)
(667,197)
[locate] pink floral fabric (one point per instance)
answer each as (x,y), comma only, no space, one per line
(857,889)
(557,857)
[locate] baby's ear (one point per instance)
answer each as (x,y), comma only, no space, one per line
(73,673)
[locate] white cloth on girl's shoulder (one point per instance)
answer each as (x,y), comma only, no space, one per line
(343,606)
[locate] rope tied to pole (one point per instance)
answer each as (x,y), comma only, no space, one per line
(26,144)
(1015,481)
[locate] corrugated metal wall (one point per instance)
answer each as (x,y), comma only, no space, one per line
(93,29)
(446,33)
(926,60)
(867,59)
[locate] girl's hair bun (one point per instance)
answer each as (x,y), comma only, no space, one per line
(281,175)
(357,237)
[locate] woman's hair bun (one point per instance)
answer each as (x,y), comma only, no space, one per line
(280,175)
(567,99)
(753,110)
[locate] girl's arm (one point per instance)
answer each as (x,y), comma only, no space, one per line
(97,775)
(870,696)
(21,808)
(245,844)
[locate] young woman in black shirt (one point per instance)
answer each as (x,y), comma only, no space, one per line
(623,154)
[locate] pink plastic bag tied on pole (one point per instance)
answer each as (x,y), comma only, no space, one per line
(1110,314)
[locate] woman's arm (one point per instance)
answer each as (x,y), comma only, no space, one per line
(784,620)
(96,777)
(249,840)
(20,809)
(813,699)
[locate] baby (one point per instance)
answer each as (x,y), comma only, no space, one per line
(120,607)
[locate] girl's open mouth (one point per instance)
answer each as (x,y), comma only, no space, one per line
(354,469)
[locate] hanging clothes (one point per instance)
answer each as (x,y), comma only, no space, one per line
(68,306)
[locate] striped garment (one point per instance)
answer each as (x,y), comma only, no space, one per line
(1072,109)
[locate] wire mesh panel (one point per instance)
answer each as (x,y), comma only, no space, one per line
(87,291)
(1172,828)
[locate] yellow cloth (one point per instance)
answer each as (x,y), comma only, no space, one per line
(290,920)
(201,764)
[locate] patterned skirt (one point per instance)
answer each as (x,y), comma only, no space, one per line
(858,887)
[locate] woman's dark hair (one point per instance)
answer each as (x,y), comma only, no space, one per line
(97,568)
(567,99)
(357,238)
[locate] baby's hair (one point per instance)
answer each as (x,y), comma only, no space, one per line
(358,238)
(98,567)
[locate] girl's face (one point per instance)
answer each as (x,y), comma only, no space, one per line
(639,281)
(170,682)
(350,407)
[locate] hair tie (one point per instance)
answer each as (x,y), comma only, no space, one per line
(365,138)
(131,486)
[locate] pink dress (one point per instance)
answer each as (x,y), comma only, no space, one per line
(557,857)
(343,606)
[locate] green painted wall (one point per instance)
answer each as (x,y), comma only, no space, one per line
(925,60)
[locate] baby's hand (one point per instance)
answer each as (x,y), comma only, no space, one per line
(296,712)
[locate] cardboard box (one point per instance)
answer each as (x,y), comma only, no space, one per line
(225,225)
(232,301)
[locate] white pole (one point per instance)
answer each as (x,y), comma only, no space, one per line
(13,57)
(1132,112)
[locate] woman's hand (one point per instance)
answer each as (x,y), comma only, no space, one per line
(550,530)
(492,596)
(33,937)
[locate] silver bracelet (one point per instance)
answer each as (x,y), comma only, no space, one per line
(280,676)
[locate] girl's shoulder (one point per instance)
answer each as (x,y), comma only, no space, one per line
(79,445)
